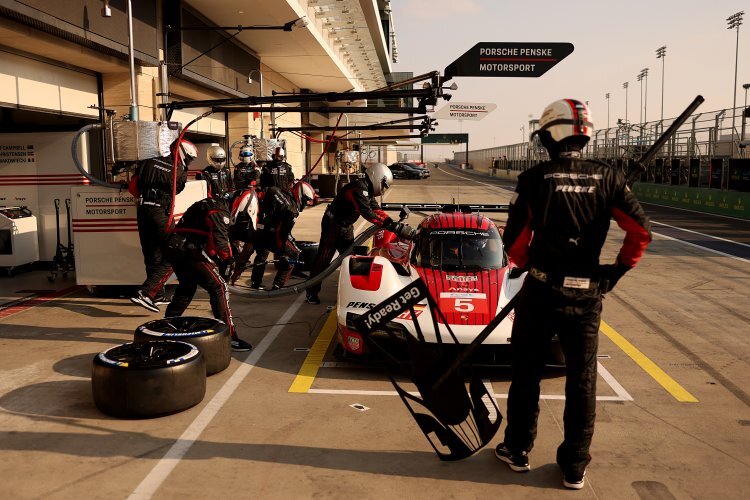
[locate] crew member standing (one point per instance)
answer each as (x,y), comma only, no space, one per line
(279,213)
(197,247)
(216,173)
(277,173)
(337,227)
(152,187)
(558,222)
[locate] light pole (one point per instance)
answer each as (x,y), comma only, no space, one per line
(250,80)
(734,21)
(661,53)
(523,133)
(644,72)
(625,86)
(639,77)
(606,96)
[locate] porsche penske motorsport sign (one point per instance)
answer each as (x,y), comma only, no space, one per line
(465,110)
(509,59)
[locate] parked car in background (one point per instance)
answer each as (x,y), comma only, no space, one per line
(422,168)
(405,171)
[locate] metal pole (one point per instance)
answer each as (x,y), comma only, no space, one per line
(131,57)
(262,124)
(734,87)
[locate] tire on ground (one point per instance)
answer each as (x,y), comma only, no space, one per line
(148,379)
(309,251)
(209,335)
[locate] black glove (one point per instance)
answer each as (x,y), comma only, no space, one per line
(609,275)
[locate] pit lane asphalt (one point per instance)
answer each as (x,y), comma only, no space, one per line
(684,308)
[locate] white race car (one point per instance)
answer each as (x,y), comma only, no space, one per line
(459,255)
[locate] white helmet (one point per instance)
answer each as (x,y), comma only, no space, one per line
(187,150)
(216,156)
(303,194)
(380,177)
(567,118)
(279,153)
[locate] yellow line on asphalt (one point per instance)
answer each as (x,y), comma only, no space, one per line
(675,389)
(304,379)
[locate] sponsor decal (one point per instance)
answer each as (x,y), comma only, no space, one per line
(451,277)
(365,193)
(353,343)
(394,305)
(406,315)
(459,232)
(360,305)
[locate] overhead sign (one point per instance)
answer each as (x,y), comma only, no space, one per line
(465,111)
(509,59)
(445,139)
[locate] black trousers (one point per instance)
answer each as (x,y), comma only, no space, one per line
(333,238)
(265,243)
(194,268)
(152,231)
(574,315)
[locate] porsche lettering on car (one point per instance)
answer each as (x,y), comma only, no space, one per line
(458,253)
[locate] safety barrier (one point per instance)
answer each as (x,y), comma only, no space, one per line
(732,203)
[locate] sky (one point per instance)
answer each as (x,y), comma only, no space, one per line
(613,42)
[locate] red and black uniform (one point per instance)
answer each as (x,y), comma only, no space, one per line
(246,175)
(200,241)
(154,197)
(277,174)
(557,225)
(219,181)
(279,213)
(336,229)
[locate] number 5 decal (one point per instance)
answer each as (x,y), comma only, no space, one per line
(463,305)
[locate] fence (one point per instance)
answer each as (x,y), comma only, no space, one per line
(700,151)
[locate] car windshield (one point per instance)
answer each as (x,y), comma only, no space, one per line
(460,250)
(414,165)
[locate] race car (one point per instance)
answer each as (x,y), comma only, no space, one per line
(458,253)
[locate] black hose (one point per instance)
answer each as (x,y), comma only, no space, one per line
(299,288)
(74,153)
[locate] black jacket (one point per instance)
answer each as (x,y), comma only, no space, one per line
(205,225)
(277,174)
(353,200)
(279,215)
(218,179)
(155,179)
(560,216)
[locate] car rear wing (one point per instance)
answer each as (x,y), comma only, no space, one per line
(445,208)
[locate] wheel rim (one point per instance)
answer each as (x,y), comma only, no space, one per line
(182,324)
(149,354)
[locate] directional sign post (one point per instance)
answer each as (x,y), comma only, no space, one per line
(509,59)
(474,111)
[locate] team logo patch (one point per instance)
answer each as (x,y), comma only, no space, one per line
(365,193)
(226,220)
(353,343)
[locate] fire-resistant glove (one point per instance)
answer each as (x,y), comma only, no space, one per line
(609,275)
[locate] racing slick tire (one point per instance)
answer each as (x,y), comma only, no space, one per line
(211,337)
(148,379)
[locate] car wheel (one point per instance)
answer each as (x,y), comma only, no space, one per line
(209,335)
(309,252)
(148,379)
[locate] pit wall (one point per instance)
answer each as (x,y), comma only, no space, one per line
(714,201)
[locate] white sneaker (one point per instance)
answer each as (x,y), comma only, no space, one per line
(144,301)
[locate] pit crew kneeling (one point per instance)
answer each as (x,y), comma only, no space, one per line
(198,244)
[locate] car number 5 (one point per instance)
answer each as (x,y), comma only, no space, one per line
(463,305)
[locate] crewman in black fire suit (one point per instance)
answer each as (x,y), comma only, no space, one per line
(279,213)
(152,188)
(216,173)
(558,222)
(198,243)
(337,227)
(277,173)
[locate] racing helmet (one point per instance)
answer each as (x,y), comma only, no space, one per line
(246,154)
(216,156)
(380,178)
(187,150)
(279,153)
(303,193)
(566,120)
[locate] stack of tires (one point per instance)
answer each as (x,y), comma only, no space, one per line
(163,370)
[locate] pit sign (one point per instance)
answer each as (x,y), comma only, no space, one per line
(474,111)
(509,59)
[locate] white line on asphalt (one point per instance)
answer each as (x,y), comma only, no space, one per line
(179,449)
(350,392)
(474,180)
(703,248)
(702,234)
(613,383)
